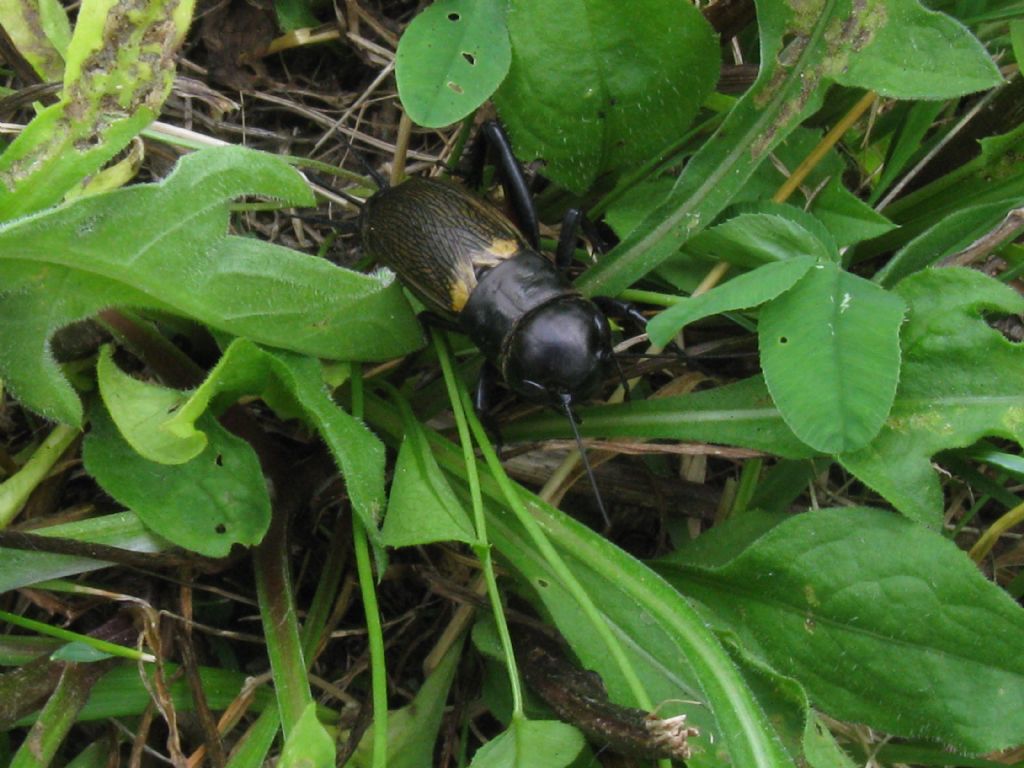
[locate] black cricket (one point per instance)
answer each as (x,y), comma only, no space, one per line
(469,263)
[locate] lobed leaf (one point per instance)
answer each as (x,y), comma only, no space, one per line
(166,246)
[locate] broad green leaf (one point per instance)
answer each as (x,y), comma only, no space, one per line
(413,729)
(422,507)
(40,31)
(451,58)
(883,621)
(848,218)
(831,357)
(961,381)
(309,745)
(293,385)
(740,414)
(124,530)
(119,71)
(216,500)
(139,409)
(166,246)
(81,653)
(531,744)
(748,290)
(597,85)
(917,53)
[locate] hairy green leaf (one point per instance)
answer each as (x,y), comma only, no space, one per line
(166,246)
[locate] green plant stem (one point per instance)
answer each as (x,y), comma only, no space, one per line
(650,297)
(375,634)
(15,490)
(280,626)
(73,637)
(458,397)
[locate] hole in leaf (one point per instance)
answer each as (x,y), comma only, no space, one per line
(783,340)
(542,583)
(469,57)
(221,528)
(455,87)
(453,17)
(219,460)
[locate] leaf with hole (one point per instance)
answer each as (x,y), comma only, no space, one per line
(961,381)
(206,505)
(450,60)
(831,357)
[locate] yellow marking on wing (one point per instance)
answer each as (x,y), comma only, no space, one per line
(502,248)
(459,293)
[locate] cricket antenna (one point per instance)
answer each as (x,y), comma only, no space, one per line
(566,399)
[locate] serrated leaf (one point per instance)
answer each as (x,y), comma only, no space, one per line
(831,357)
(166,246)
(748,290)
(917,53)
(119,70)
(870,612)
(206,505)
(531,744)
(961,381)
(598,85)
(451,58)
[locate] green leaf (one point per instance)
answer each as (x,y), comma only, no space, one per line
(917,120)
(917,53)
(748,290)
(40,31)
(413,729)
(752,239)
(119,71)
(422,507)
(139,409)
(81,653)
(597,86)
(293,385)
(960,382)
(740,414)
(848,218)
(869,612)
(206,505)
(947,236)
(309,745)
(831,357)
(166,246)
(788,89)
(451,58)
(123,530)
(531,744)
